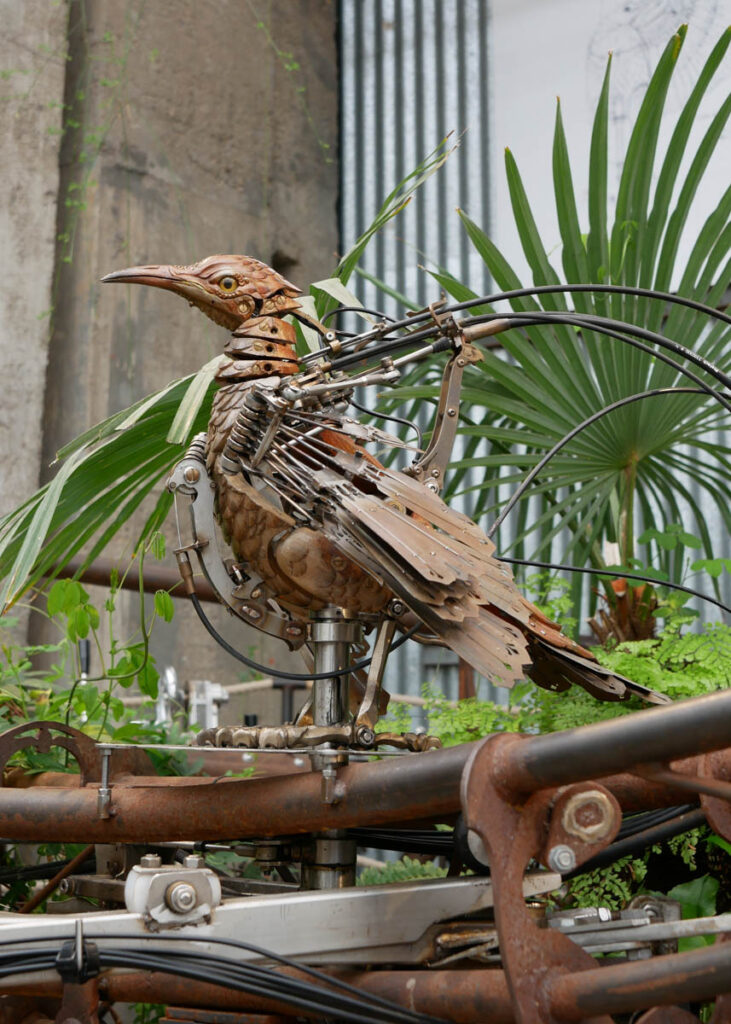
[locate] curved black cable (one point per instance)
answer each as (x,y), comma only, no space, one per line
(46,870)
(612,289)
(279,958)
(638,841)
(395,419)
(516,293)
(255,981)
(520,491)
(604,325)
(239,976)
(594,324)
(559,567)
(357,309)
(295,676)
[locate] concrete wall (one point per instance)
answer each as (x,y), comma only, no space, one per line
(190,128)
(32,69)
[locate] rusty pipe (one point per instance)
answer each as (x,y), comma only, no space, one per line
(661,981)
(461,996)
(524,764)
(155,577)
(414,788)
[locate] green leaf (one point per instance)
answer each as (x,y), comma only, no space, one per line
(164,605)
(198,389)
(697,898)
(78,623)
(597,243)
(335,288)
(393,205)
(713,566)
(720,842)
(158,546)
(147,678)
(57,597)
(36,534)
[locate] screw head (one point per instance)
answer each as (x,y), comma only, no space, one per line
(561,858)
(181,897)
(192,475)
(364,736)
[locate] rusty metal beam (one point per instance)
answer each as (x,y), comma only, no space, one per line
(417,787)
(409,788)
(525,764)
(697,975)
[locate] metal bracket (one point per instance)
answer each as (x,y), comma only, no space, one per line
(190,477)
(432,465)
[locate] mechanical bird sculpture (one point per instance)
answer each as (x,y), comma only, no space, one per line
(319,520)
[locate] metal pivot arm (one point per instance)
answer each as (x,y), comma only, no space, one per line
(368,712)
(190,477)
(432,465)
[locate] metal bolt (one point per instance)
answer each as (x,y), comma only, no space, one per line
(451,412)
(151,860)
(561,858)
(293,630)
(364,736)
(589,815)
(192,475)
(194,860)
(181,897)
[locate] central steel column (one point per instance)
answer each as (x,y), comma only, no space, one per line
(333,858)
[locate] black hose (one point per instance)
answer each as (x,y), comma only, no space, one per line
(638,841)
(640,577)
(295,676)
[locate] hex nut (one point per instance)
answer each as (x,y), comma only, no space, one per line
(181,897)
(151,860)
(589,815)
(561,858)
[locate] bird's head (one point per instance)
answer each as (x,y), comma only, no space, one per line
(228,289)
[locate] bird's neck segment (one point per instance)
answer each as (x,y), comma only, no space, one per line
(260,347)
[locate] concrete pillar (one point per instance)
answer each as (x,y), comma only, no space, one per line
(189,129)
(32,69)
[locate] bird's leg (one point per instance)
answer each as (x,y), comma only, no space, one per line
(368,712)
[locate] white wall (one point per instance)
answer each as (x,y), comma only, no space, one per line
(541,49)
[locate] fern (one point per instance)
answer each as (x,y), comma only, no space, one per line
(404,870)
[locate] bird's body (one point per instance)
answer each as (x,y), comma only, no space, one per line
(321,522)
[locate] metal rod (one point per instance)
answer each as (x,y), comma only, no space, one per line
(417,787)
(683,729)
(661,981)
(154,578)
(413,788)
(53,883)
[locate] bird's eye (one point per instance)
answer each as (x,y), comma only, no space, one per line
(228,284)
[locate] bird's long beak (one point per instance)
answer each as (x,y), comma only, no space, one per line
(159,276)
